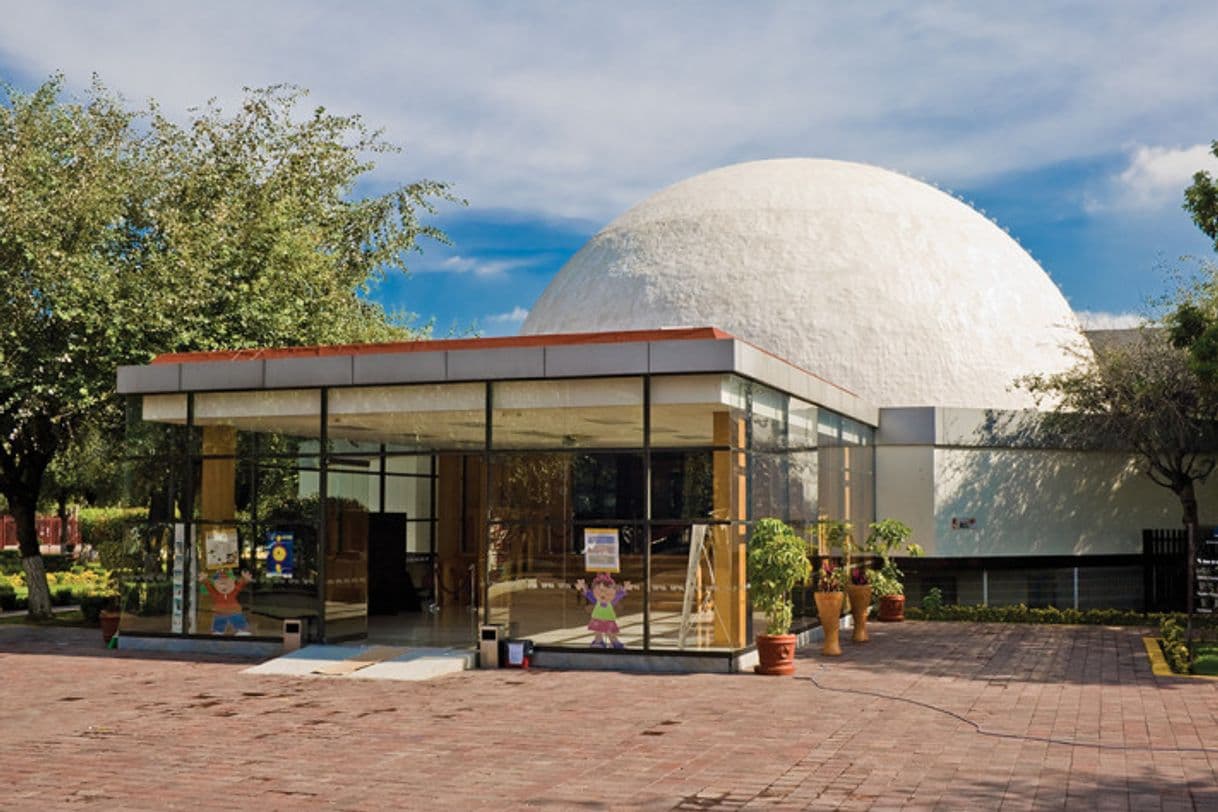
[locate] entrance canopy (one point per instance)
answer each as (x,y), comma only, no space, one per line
(536,357)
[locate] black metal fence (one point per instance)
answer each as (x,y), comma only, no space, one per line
(1165,567)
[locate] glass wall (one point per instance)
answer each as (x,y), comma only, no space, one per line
(592,513)
(566,486)
(846,460)
(699,501)
(151,545)
(257,497)
(222,488)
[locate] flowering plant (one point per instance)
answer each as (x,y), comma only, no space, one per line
(859,576)
(830,578)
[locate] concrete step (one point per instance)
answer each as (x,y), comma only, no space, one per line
(369,662)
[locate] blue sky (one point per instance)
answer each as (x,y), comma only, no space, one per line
(1075,125)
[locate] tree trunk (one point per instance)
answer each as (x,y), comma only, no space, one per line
(25,513)
(64,543)
(1188,500)
(23,464)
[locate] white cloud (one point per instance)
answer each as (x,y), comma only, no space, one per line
(1099,320)
(579,110)
(516,316)
(1156,177)
(471,265)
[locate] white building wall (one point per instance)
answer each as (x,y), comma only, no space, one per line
(977,482)
(905,488)
(1048,502)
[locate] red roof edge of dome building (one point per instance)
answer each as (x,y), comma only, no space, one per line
(439,345)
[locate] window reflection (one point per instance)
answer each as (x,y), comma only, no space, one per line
(401,482)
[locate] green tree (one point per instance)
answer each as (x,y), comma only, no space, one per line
(124,234)
(1193,320)
(1201,201)
(1142,394)
(87,469)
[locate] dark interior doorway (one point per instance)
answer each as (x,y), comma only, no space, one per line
(390,587)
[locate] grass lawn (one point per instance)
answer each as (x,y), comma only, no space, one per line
(1206,661)
(73,618)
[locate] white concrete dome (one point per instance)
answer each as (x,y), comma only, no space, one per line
(877,282)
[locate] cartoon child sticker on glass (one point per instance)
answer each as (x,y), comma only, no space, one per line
(604,595)
(226,609)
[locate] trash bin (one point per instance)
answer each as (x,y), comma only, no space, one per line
(516,653)
(488,645)
(293,633)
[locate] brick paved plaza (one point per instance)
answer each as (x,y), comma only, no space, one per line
(988,717)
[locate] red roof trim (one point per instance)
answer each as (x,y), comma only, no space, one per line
(440,345)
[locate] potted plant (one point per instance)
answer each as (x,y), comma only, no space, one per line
(109,618)
(105,603)
(883,538)
(776,563)
(858,589)
(834,534)
(829,606)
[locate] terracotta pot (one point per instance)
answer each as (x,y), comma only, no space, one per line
(109,624)
(829,608)
(892,608)
(777,654)
(860,602)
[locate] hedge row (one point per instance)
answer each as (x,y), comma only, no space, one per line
(1025,614)
(67,587)
(10,562)
(11,600)
(1175,650)
(103,529)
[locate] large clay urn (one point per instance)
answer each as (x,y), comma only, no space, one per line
(829,608)
(860,602)
(892,608)
(776,653)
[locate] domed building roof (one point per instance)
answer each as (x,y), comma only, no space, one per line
(877,282)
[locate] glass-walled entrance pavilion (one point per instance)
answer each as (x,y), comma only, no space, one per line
(585,492)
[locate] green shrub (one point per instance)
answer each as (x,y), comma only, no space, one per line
(129,598)
(105,530)
(1175,650)
(67,587)
(932,601)
(145,596)
(1024,614)
(10,562)
(91,607)
(156,599)
(777,561)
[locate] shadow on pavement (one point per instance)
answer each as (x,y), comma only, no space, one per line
(62,641)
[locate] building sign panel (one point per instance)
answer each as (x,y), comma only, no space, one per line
(220,548)
(602,550)
(280,554)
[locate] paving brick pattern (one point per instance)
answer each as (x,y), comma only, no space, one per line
(926,716)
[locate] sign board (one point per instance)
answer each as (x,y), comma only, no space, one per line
(280,554)
(220,548)
(602,550)
(179,579)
